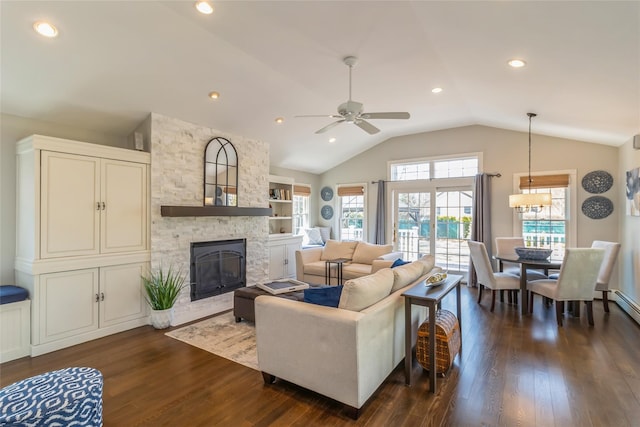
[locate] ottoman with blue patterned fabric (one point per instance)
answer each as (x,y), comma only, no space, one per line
(68,397)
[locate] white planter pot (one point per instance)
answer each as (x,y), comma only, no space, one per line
(161,319)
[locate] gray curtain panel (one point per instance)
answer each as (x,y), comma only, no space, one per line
(481,224)
(381,217)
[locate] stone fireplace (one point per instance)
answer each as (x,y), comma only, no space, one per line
(177,152)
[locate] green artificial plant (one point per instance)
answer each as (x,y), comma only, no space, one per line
(163,288)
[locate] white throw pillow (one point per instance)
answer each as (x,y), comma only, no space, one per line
(428,262)
(405,274)
(365,252)
(334,250)
(358,294)
(325,232)
(312,237)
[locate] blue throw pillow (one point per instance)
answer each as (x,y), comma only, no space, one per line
(328,295)
(399,262)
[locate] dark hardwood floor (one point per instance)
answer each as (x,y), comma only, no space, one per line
(512,371)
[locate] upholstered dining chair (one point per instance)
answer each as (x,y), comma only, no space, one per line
(611,250)
(486,276)
(576,281)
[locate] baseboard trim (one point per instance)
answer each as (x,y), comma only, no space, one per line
(628,306)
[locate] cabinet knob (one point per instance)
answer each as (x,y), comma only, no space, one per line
(103,206)
(101,296)
(97,298)
(98,206)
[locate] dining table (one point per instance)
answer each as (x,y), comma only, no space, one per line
(525,264)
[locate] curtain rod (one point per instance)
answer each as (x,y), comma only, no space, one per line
(497,175)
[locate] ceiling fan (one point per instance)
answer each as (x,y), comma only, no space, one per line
(352,111)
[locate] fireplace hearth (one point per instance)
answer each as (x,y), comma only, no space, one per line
(217,267)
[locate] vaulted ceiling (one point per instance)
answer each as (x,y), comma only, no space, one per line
(114,62)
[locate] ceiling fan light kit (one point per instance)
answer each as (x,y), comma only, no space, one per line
(353,111)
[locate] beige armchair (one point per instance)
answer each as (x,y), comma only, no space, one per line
(486,276)
(576,281)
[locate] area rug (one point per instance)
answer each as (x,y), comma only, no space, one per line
(222,336)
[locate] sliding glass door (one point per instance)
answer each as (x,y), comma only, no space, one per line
(433,221)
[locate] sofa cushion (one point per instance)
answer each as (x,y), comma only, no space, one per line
(326,295)
(406,274)
(354,270)
(312,237)
(334,250)
(363,292)
(365,252)
(316,268)
(428,262)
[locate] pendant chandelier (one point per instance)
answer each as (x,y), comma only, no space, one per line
(529,202)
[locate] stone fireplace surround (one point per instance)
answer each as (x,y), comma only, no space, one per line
(177,161)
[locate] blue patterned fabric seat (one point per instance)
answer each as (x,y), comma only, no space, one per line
(68,397)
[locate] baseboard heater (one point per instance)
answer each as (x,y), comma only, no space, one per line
(630,307)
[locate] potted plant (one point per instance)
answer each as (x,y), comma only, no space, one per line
(162,289)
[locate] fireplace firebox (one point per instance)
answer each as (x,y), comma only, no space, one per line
(217,267)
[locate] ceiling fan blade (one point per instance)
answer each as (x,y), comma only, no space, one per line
(329,126)
(396,115)
(333,116)
(366,126)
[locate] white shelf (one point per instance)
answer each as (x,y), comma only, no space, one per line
(280,217)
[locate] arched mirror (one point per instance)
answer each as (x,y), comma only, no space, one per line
(220,173)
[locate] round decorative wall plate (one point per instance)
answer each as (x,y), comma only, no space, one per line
(597,207)
(326,193)
(597,182)
(326,212)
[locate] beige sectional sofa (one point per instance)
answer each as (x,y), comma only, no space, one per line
(366,258)
(344,353)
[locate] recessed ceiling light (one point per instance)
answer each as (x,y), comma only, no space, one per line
(436,90)
(517,63)
(204,7)
(332,139)
(214,95)
(45,29)
(279,120)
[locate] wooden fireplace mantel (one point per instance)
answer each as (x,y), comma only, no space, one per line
(183,211)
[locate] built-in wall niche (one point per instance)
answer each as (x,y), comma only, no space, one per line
(220,173)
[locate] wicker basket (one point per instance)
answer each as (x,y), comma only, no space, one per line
(447,341)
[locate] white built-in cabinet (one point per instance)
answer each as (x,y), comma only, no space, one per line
(82,240)
(282,256)
(92,205)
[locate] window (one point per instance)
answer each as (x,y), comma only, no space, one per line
(301,196)
(451,167)
(352,212)
(552,227)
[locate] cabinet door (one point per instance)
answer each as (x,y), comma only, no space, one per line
(124,217)
(276,261)
(121,293)
(67,303)
(290,262)
(70,215)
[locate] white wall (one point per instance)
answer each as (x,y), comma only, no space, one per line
(629,258)
(13,129)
